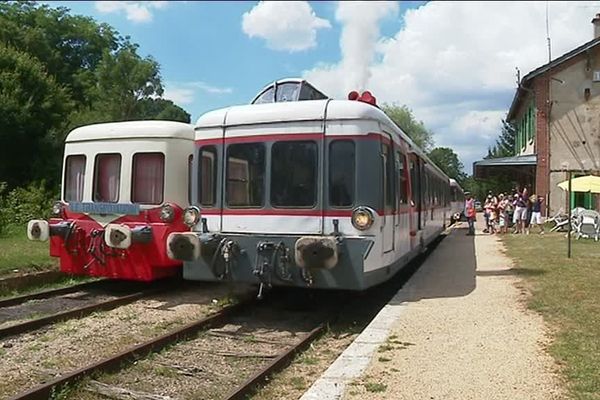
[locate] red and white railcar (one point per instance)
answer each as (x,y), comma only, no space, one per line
(298,189)
(124,188)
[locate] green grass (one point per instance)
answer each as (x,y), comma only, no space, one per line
(19,253)
(375,387)
(567,293)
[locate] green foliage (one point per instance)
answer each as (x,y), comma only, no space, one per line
(447,160)
(33,107)
(25,203)
(505,144)
(59,71)
(416,130)
(162,109)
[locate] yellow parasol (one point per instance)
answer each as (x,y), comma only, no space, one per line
(589,183)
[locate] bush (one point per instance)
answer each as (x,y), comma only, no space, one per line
(25,203)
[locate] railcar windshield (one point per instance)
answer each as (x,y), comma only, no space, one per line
(342,173)
(208,170)
(74,177)
(294,174)
(246,175)
(107,178)
(148,178)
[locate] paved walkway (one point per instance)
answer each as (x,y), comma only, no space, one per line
(457,330)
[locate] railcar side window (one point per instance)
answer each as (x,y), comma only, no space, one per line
(190,169)
(148,178)
(388,175)
(74,177)
(402,179)
(208,176)
(245,175)
(342,173)
(107,178)
(294,174)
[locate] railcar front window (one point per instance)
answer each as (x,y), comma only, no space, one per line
(246,175)
(266,97)
(148,178)
(287,92)
(74,177)
(294,174)
(107,178)
(208,158)
(342,170)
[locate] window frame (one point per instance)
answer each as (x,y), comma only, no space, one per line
(226,176)
(329,174)
(95,180)
(64,189)
(316,175)
(133,171)
(214,175)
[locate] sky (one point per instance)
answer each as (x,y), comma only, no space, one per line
(453,63)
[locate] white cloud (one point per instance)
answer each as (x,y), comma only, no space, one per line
(454,63)
(284,25)
(136,11)
(185,92)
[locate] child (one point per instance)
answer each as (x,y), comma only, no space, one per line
(536,213)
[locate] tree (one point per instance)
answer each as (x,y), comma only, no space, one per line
(69,46)
(33,106)
(505,144)
(416,130)
(447,160)
(124,79)
(162,109)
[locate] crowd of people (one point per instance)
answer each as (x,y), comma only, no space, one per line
(517,211)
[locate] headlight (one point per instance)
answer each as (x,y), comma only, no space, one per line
(191,216)
(362,218)
(57,209)
(167,213)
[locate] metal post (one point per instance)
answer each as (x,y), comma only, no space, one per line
(569,231)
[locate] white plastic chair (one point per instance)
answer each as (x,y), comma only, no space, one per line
(587,224)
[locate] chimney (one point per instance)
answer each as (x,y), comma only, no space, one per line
(596,23)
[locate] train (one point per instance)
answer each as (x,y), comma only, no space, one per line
(125,186)
(298,189)
(457,201)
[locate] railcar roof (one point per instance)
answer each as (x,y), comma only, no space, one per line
(306,110)
(132,130)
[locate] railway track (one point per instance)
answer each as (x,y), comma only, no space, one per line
(30,279)
(16,308)
(226,355)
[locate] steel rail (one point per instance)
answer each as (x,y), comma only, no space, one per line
(74,313)
(50,292)
(120,360)
(278,364)
(34,278)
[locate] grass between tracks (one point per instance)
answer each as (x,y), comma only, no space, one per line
(19,253)
(567,293)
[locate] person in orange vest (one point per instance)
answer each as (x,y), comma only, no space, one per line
(470,213)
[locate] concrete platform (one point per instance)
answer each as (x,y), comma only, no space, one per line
(457,330)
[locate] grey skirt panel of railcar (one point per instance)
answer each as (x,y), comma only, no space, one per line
(347,274)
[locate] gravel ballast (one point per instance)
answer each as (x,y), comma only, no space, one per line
(464,332)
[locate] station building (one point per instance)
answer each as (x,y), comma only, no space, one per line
(556,110)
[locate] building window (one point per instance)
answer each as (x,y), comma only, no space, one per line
(246,175)
(294,174)
(148,178)
(342,173)
(107,178)
(74,178)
